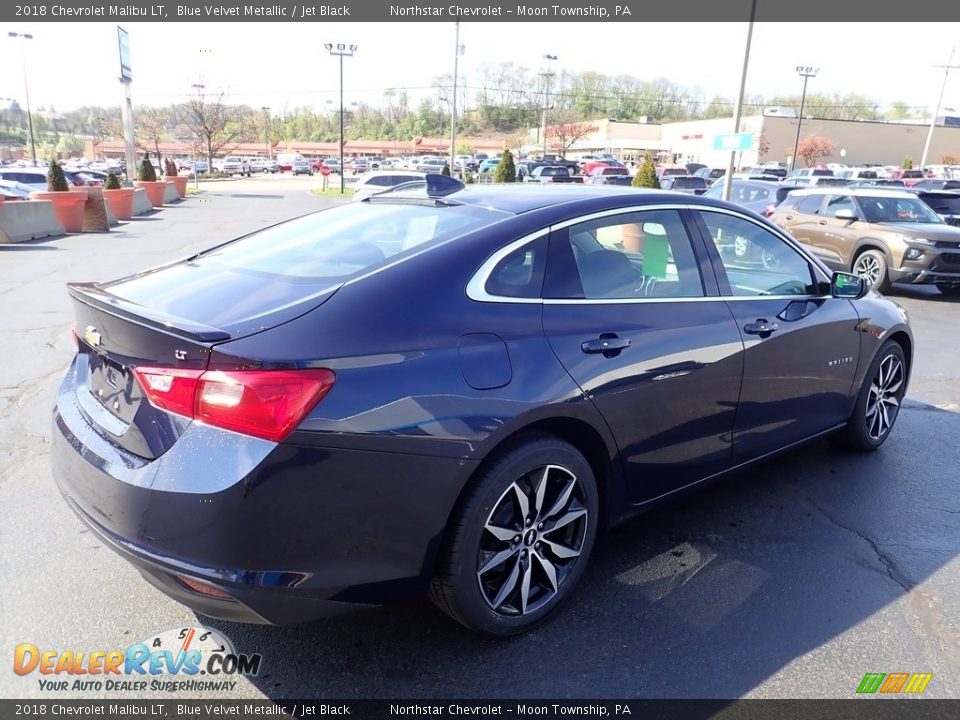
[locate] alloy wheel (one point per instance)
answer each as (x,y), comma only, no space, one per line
(883,398)
(531,541)
(868,267)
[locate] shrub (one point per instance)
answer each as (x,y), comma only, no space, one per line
(112,183)
(446,170)
(169,167)
(907,164)
(56,180)
(506,171)
(468,178)
(646,176)
(145,171)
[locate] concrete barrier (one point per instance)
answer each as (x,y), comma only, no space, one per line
(170,194)
(141,203)
(29,220)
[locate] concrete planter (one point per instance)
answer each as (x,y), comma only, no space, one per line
(67,205)
(155,190)
(180,182)
(121,202)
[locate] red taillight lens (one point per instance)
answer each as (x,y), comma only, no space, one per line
(770,209)
(172,389)
(267,404)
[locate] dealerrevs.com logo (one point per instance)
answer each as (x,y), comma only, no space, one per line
(191,659)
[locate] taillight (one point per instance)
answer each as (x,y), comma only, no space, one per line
(769,210)
(267,404)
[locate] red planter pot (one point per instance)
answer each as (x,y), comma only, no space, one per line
(155,190)
(180,181)
(67,206)
(121,202)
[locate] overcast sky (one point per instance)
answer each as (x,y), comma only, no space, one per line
(285,64)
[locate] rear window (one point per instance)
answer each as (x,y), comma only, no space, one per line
(335,245)
(689,182)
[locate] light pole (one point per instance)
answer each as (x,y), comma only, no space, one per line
(738,108)
(546,99)
(199,87)
(341,51)
(26,92)
(806,72)
(933,122)
(266,131)
(457,49)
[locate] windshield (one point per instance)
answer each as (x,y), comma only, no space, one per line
(879,209)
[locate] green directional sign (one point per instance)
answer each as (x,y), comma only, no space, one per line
(733,141)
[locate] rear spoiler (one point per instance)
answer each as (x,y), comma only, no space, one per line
(91,294)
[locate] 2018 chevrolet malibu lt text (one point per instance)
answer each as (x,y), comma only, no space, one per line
(451,391)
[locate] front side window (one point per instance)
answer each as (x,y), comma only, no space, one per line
(645,254)
(880,209)
(810,204)
(757,262)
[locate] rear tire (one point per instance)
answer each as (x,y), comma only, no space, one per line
(878,402)
(521,540)
(871,264)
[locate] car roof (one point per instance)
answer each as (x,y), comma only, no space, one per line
(878,191)
(518,198)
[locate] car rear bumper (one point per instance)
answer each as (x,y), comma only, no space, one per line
(291,533)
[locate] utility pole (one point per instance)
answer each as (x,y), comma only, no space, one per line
(546,98)
(453,105)
(933,121)
(738,110)
(806,72)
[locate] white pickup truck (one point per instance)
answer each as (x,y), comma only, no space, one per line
(235,165)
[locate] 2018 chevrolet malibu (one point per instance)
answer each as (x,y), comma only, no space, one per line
(451,391)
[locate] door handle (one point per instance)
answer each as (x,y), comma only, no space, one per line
(823,222)
(761,327)
(789,217)
(608,344)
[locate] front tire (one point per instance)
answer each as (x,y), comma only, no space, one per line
(871,265)
(522,538)
(878,402)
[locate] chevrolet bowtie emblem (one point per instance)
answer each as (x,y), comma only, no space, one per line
(91,336)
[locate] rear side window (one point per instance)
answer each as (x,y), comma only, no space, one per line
(520,274)
(810,204)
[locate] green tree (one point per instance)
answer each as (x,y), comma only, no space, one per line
(506,171)
(907,163)
(145,171)
(646,176)
(56,180)
(112,183)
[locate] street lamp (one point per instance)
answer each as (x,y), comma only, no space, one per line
(806,72)
(26,92)
(266,130)
(341,51)
(546,99)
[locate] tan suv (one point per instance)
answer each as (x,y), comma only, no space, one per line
(885,236)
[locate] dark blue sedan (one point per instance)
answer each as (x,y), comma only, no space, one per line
(451,391)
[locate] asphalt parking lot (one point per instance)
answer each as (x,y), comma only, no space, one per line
(791,580)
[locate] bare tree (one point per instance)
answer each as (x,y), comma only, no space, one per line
(566,133)
(215,124)
(151,127)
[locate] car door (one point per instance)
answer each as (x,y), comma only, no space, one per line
(836,237)
(628,313)
(801,346)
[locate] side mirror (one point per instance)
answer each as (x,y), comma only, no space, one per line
(845,214)
(846,285)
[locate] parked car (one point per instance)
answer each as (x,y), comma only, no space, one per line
(36,177)
(608,175)
(235,165)
(665,171)
(944,203)
(759,196)
(908,176)
(14,190)
(332,164)
(264,165)
(816,181)
(358,165)
(488,165)
(411,394)
(374,183)
(884,236)
(432,164)
(301,166)
(552,174)
(688,184)
(710,174)
(936,184)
